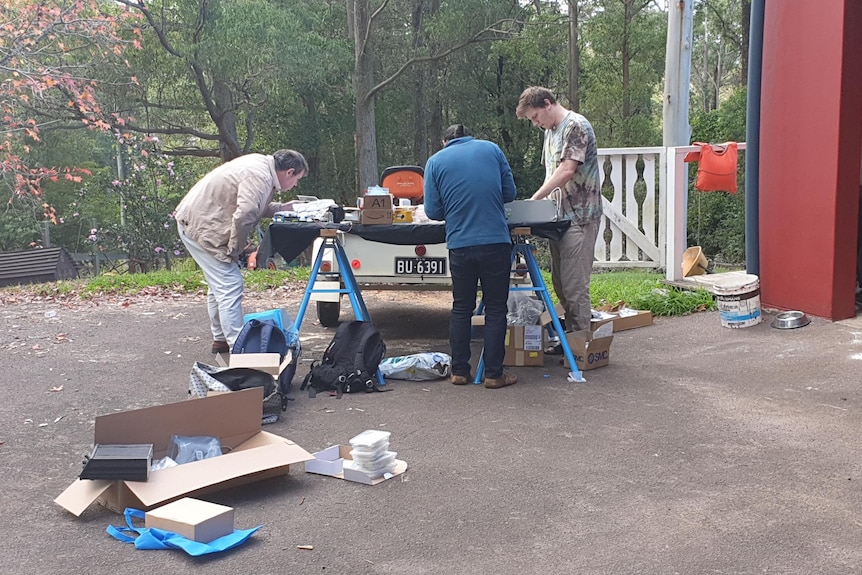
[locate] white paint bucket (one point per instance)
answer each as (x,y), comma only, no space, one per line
(738,300)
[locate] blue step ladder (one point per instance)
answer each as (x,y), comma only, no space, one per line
(523,248)
(351,288)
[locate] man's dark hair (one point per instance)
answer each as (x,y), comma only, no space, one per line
(533,97)
(287,159)
(456,131)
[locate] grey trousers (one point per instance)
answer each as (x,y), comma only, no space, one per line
(571,266)
(224,291)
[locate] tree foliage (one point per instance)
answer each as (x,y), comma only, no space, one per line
(202,81)
(51,58)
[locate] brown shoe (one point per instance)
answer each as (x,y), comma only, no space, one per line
(504,380)
(220,347)
(459,380)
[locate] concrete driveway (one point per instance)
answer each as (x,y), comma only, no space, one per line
(699,450)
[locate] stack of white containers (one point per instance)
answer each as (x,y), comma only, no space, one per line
(371,454)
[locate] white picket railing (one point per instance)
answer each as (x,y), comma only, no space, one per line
(644,223)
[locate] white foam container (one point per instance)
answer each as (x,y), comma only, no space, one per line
(371,440)
(371,474)
(387,458)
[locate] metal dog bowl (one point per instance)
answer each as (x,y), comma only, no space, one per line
(790,320)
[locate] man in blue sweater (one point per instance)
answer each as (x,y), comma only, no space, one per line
(466,184)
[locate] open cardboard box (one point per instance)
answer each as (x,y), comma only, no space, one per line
(331,460)
(624,319)
(250,454)
(588,353)
(591,350)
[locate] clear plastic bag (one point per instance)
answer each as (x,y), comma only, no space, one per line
(523,309)
(417,367)
(185,449)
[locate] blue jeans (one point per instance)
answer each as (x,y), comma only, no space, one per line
(489,265)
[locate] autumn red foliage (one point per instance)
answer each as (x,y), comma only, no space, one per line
(48,80)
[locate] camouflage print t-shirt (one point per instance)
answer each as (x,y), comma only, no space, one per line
(574,139)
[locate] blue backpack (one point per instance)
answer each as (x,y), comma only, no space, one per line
(265,336)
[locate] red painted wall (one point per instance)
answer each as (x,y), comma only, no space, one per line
(811,137)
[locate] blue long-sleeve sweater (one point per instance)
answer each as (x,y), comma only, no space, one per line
(466,184)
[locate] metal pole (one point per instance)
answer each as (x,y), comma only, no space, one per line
(752,139)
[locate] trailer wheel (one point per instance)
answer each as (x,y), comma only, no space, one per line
(328,312)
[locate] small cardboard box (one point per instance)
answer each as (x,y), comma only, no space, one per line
(376,202)
(589,353)
(524,346)
(622,320)
(331,460)
(370,217)
(625,319)
(194,519)
(235,418)
(268,362)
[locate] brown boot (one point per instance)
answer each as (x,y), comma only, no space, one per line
(502,381)
(220,347)
(459,380)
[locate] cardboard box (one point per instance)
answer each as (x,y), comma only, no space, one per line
(589,353)
(268,362)
(623,320)
(331,460)
(194,519)
(370,217)
(376,202)
(524,346)
(235,418)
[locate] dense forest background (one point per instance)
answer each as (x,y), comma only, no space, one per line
(112,110)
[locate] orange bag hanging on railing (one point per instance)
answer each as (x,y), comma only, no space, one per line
(716,166)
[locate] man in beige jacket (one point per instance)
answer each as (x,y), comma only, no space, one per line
(215,219)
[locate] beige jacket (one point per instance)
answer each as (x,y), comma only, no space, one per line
(221,210)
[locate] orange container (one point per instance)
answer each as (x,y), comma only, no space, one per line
(404,181)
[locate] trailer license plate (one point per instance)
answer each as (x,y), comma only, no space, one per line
(420,266)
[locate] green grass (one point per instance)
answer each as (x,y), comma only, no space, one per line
(644,290)
(641,290)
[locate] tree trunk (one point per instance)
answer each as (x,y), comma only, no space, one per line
(627,57)
(574,57)
(229,147)
(420,133)
(432,92)
(363,82)
(312,153)
(746,33)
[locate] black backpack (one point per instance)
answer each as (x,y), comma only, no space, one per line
(349,362)
(264,336)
